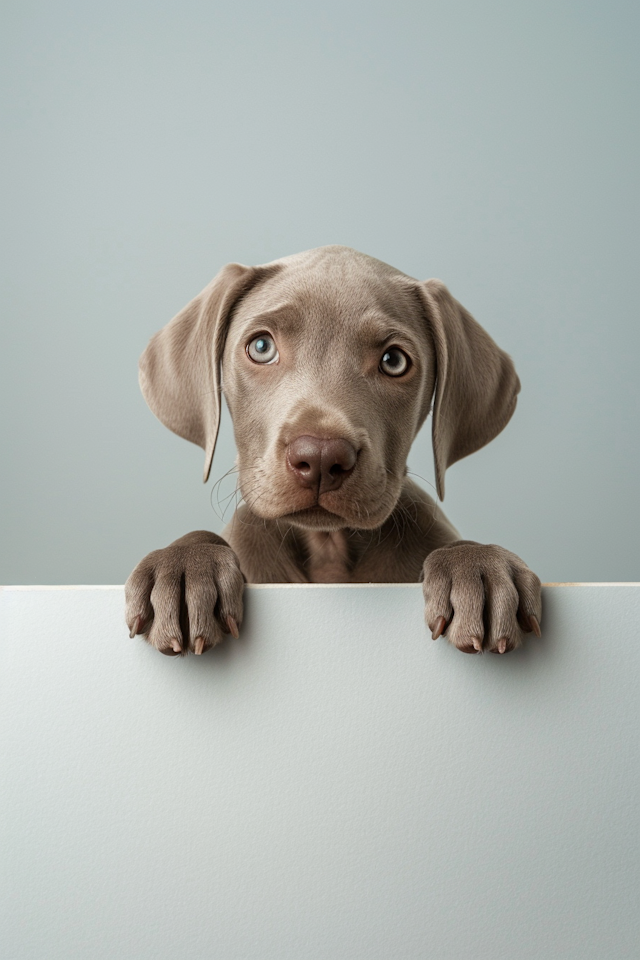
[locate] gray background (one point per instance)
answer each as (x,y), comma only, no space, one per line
(492,145)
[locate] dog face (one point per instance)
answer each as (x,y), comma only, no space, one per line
(328,373)
(330,362)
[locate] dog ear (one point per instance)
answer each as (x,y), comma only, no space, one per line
(180,368)
(476,382)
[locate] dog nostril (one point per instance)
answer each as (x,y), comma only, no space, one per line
(320,463)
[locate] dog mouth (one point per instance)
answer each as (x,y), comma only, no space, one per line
(318,517)
(359,502)
(315,517)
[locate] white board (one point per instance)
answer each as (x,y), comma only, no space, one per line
(333,785)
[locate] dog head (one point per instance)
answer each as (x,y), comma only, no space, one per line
(330,362)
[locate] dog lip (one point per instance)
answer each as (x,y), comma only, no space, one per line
(315,509)
(314,514)
(315,518)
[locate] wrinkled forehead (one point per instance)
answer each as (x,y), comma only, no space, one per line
(334,294)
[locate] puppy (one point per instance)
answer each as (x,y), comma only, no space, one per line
(330,361)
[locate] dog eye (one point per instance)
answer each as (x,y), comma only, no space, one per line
(262,349)
(394,362)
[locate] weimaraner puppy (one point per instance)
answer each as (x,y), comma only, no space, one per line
(330,362)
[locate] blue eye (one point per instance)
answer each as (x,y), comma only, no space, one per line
(394,362)
(262,349)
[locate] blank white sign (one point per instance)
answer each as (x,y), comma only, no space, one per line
(332,785)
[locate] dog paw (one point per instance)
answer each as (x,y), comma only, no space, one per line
(481,597)
(186,597)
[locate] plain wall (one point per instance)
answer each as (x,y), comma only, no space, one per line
(492,145)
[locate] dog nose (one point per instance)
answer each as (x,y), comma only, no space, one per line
(321,463)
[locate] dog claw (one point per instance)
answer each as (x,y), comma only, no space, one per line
(176,646)
(502,645)
(233,628)
(535,625)
(138,624)
(439,628)
(477,644)
(199,646)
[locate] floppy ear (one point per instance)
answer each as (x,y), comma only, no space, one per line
(476,382)
(180,369)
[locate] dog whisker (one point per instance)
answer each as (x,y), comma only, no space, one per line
(424,479)
(215,490)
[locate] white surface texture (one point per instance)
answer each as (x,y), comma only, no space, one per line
(333,785)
